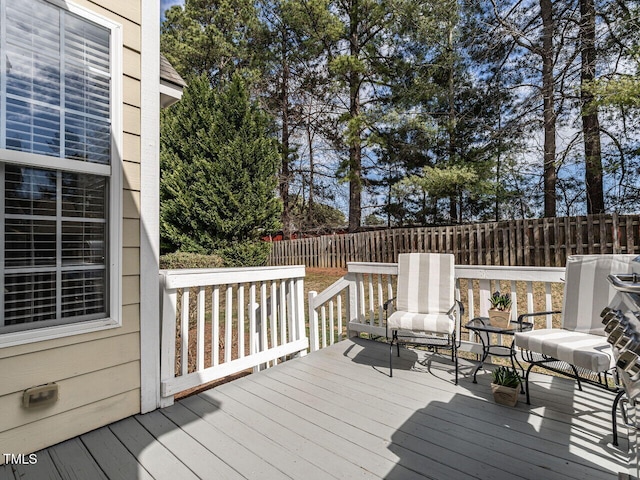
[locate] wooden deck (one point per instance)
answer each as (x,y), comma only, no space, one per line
(336,414)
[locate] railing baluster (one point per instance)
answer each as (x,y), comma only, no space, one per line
(323,319)
(200,330)
(283,313)
(389,294)
(215,326)
(548,303)
(470,299)
(362,317)
(291,311)
(228,324)
(274,317)
(514,301)
(372,310)
(331,324)
(380,302)
(339,311)
(530,306)
(264,310)
(184,332)
(485,293)
(241,321)
(252,318)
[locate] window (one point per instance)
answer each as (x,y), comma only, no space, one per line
(60,176)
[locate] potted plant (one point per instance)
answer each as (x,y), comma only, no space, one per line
(505,386)
(500,311)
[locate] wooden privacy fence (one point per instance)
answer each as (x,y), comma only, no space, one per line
(539,242)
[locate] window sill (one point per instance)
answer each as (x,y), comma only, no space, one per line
(59,331)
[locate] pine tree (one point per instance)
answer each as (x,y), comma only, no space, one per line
(218,170)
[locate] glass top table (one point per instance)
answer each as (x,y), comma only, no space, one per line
(482,327)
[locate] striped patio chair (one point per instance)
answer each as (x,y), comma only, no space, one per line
(579,349)
(426,311)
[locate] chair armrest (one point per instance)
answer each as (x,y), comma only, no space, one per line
(459,304)
(387,303)
(536,314)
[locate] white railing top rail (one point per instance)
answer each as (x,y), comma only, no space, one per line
(475,272)
(195,277)
(524,274)
(331,291)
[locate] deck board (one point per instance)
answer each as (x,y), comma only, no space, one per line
(337,414)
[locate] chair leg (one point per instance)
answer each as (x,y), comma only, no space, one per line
(614,416)
(575,372)
(454,354)
(526,382)
(394,337)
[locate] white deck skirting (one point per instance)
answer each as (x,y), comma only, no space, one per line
(336,414)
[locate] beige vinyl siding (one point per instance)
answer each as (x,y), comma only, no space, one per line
(131,204)
(131,147)
(130,233)
(131,175)
(98,373)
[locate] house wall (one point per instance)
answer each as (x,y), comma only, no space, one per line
(98,373)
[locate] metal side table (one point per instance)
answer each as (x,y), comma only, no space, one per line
(483,328)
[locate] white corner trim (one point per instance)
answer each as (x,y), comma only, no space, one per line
(150,208)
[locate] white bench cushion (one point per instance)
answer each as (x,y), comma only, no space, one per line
(579,349)
(422,322)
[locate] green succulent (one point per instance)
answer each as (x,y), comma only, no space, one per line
(500,301)
(506,376)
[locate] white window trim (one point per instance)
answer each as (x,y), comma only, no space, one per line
(115,194)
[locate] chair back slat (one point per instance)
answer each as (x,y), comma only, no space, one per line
(426,282)
(587,290)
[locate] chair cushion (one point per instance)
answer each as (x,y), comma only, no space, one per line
(587,291)
(422,322)
(426,282)
(579,349)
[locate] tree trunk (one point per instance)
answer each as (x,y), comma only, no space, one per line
(312,173)
(590,121)
(451,127)
(355,145)
(284,172)
(549,113)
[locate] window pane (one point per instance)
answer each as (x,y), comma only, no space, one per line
(84,195)
(30,243)
(83,293)
(32,128)
(30,191)
(83,243)
(58,83)
(29,297)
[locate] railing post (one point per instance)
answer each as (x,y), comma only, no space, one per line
(352,304)
(314,343)
(168,336)
(300,319)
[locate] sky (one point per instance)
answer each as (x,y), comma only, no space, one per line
(166,4)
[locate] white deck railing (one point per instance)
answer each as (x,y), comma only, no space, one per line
(254,316)
(354,303)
